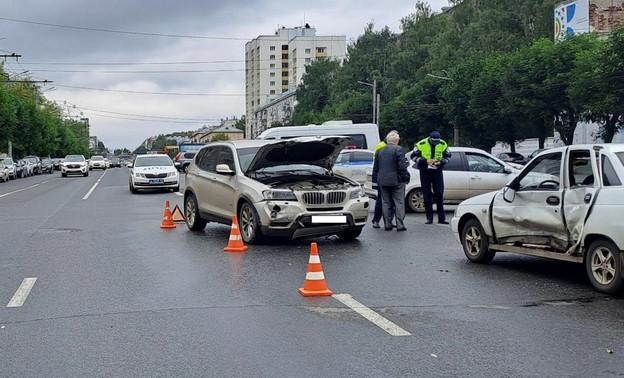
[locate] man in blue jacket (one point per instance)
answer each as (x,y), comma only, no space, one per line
(390,173)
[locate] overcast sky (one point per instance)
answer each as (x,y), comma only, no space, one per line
(194,49)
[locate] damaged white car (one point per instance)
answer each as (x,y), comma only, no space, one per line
(565,205)
(281,188)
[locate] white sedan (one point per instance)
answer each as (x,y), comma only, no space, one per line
(153,172)
(565,205)
(470,172)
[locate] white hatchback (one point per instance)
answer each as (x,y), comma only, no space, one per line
(153,172)
(565,205)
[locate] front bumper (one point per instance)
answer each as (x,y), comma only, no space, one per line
(71,169)
(295,220)
(145,183)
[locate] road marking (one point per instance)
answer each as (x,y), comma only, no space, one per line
(178,194)
(26,188)
(22,292)
(371,315)
(94,186)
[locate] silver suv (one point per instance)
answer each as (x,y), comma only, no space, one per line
(279,188)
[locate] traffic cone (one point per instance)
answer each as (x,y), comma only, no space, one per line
(177,215)
(314,284)
(236,241)
(167,221)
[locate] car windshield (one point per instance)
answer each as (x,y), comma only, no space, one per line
(32,159)
(6,161)
(97,158)
(157,161)
(74,158)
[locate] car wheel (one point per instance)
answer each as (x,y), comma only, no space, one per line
(604,267)
(86,174)
(63,174)
(176,189)
(415,201)
(249,223)
(191,212)
(475,243)
(351,234)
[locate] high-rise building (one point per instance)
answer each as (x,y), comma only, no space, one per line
(275,64)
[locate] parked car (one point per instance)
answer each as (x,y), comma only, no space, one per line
(183,159)
(19,169)
(534,154)
(153,172)
(275,188)
(74,165)
(512,157)
(29,167)
(10,165)
(4,172)
(56,162)
(97,162)
(470,172)
(47,165)
(565,205)
(353,163)
(36,162)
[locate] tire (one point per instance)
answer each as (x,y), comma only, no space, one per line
(63,174)
(604,266)
(415,201)
(132,188)
(249,224)
(176,189)
(351,234)
(475,243)
(86,174)
(194,221)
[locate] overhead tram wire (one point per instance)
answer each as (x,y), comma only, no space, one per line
(152,93)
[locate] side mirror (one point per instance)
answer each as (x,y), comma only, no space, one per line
(509,194)
(129,165)
(225,169)
(507,170)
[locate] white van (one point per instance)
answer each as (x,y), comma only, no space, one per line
(363,135)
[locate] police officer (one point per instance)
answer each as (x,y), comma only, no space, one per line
(430,155)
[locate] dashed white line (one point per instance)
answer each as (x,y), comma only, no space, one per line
(94,186)
(21,190)
(371,315)
(22,292)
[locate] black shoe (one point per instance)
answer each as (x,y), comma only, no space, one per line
(401,229)
(443,222)
(429,221)
(388,228)
(375,224)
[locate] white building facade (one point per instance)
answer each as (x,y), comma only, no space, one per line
(275,64)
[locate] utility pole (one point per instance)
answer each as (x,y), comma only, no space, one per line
(375,101)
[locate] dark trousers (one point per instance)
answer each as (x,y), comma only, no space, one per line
(433,182)
(378,208)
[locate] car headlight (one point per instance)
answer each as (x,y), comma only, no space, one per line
(172,174)
(137,174)
(357,193)
(279,195)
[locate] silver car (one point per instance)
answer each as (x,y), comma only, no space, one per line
(470,172)
(276,188)
(565,205)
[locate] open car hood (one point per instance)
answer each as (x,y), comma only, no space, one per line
(319,151)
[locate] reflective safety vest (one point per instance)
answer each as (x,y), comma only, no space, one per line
(425,149)
(381,145)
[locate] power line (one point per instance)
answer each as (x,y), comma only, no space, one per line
(153,93)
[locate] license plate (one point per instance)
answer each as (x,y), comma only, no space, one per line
(329,219)
(157,181)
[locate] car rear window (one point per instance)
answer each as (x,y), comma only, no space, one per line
(609,175)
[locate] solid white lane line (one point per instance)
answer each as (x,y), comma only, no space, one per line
(371,315)
(21,190)
(94,186)
(22,292)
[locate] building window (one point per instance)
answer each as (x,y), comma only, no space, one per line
(272,83)
(285,65)
(272,48)
(272,91)
(272,74)
(308,51)
(284,73)
(272,65)
(284,82)
(284,47)
(284,56)
(272,57)
(321,49)
(308,60)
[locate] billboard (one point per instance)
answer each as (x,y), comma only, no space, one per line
(571,18)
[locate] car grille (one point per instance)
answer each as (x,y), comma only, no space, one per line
(73,166)
(320,198)
(152,175)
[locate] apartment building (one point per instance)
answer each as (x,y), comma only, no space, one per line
(274,66)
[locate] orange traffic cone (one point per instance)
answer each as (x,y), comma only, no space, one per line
(167,221)
(236,241)
(177,215)
(314,284)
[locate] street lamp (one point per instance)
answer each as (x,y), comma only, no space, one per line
(375,101)
(455,130)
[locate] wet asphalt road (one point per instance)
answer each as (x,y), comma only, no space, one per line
(115,295)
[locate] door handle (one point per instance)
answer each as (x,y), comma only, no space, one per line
(475,178)
(587,197)
(552,200)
